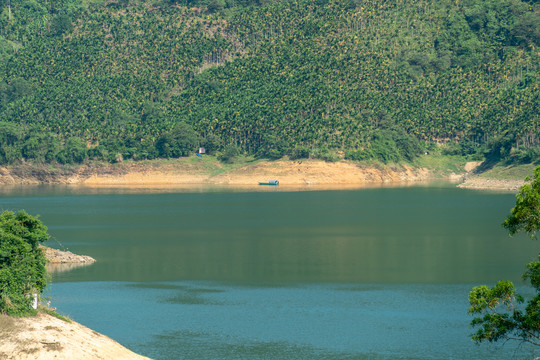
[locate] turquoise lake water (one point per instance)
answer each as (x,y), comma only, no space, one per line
(217,273)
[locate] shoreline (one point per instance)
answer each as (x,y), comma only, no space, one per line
(192,172)
(48,336)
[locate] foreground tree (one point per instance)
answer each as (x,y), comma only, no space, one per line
(503,315)
(22,262)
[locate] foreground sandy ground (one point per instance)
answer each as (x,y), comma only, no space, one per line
(45,337)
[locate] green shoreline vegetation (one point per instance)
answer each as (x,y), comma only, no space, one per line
(500,315)
(23,274)
(85,81)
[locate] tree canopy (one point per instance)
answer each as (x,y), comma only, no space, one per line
(377,79)
(22,262)
(503,315)
(526,214)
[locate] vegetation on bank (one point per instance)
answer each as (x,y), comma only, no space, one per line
(22,262)
(507,172)
(369,80)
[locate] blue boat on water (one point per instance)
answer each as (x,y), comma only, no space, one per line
(270,182)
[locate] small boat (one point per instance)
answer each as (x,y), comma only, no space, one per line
(270,182)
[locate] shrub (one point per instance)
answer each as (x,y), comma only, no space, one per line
(325,154)
(75,151)
(22,263)
(300,152)
(229,153)
(180,141)
(358,155)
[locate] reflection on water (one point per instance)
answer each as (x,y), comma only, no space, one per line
(62,190)
(55,268)
(394,235)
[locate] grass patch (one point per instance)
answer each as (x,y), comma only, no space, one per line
(509,172)
(210,164)
(56,315)
(442,165)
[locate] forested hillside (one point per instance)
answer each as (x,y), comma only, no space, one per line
(361,79)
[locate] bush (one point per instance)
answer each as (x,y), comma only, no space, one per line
(215,5)
(40,146)
(10,137)
(384,148)
(409,147)
(75,151)
(212,143)
(272,147)
(180,141)
(358,155)
(22,263)
(523,155)
(300,152)
(325,154)
(229,153)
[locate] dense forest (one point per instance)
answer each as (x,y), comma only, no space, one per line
(381,80)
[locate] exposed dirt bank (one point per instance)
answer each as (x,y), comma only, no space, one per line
(178,173)
(45,337)
(181,172)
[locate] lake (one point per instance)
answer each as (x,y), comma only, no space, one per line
(218,273)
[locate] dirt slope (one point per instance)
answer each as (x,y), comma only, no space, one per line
(182,172)
(45,337)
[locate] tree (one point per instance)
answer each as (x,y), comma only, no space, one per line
(229,154)
(526,214)
(22,262)
(74,151)
(215,6)
(503,316)
(61,24)
(10,137)
(180,141)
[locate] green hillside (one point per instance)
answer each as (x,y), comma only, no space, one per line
(364,79)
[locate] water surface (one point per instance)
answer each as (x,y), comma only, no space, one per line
(378,273)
